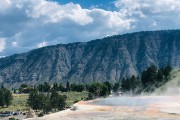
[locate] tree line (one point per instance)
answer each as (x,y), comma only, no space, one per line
(149,79)
(46,102)
(46,87)
(5,97)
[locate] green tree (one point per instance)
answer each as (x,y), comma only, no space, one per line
(39,101)
(24,86)
(77,88)
(40,87)
(109,86)
(57,101)
(2,102)
(95,89)
(54,99)
(56,87)
(167,71)
(149,77)
(125,85)
(98,90)
(87,86)
(160,76)
(104,90)
(46,103)
(34,100)
(47,87)
(7,97)
(131,84)
(62,88)
(116,87)
(68,86)
(62,101)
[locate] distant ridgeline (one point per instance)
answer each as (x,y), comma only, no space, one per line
(109,59)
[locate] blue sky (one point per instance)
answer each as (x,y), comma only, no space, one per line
(104,4)
(31,24)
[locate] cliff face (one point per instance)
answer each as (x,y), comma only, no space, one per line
(108,59)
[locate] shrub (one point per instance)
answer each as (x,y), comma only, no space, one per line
(12,119)
(74,108)
(76,101)
(41,114)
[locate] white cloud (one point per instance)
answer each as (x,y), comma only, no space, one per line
(152,14)
(51,12)
(2,44)
(154,24)
(42,44)
(27,23)
(14,43)
(148,6)
(4,4)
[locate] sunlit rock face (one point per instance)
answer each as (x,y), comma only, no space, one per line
(109,59)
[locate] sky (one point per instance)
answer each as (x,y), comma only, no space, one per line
(31,24)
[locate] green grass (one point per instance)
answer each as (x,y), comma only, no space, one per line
(74,96)
(18,103)
(19,100)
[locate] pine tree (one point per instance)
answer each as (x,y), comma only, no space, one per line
(109,85)
(2,102)
(54,99)
(7,97)
(68,86)
(57,101)
(34,100)
(56,87)
(149,77)
(45,103)
(61,101)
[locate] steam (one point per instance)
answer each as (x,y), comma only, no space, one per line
(131,101)
(165,99)
(172,87)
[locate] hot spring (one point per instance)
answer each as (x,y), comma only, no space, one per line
(122,108)
(164,104)
(131,101)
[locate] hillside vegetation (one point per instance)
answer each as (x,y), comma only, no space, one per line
(172,87)
(19,102)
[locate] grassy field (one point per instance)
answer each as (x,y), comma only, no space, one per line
(74,96)
(18,103)
(19,100)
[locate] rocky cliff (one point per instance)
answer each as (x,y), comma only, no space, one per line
(108,59)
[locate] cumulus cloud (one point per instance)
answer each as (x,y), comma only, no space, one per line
(42,44)
(27,23)
(152,14)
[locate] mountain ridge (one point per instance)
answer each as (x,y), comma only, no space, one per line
(107,59)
